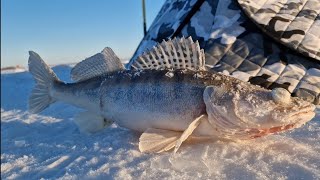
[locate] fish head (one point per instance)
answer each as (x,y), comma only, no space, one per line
(243,111)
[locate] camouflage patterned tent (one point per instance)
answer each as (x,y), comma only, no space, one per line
(271,43)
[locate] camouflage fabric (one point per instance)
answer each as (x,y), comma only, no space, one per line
(235,46)
(295,23)
(165,23)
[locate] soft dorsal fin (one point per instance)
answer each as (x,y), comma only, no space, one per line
(179,53)
(98,64)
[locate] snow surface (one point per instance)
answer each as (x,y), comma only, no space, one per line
(49,146)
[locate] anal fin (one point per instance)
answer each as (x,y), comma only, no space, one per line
(89,122)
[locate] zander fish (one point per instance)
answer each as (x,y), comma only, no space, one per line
(168,95)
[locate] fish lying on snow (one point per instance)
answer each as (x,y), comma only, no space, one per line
(169,96)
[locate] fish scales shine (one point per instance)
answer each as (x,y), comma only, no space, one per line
(152,92)
(167,98)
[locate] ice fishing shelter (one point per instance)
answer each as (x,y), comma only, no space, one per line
(271,43)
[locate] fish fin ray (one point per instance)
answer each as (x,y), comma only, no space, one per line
(40,97)
(158,140)
(179,53)
(186,133)
(89,122)
(98,64)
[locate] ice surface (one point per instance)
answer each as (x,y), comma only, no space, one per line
(49,146)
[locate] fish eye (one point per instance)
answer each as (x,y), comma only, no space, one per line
(281,96)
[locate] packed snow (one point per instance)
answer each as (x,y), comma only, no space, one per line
(50,146)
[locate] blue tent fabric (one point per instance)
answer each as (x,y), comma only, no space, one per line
(294,23)
(235,46)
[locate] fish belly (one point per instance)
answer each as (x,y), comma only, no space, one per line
(139,106)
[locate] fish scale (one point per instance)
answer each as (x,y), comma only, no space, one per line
(169,106)
(155,94)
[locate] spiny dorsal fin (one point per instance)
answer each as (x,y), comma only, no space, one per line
(98,64)
(179,53)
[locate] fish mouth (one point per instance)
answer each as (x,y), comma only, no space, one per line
(230,130)
(295,120)
(303,116)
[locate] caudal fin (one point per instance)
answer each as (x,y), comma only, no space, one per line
(44,76)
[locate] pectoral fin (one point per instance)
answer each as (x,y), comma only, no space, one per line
(89,122)
(186,133)
(160,140)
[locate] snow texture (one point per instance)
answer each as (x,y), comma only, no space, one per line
(50,146)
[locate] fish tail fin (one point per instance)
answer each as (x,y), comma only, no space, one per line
(40,97)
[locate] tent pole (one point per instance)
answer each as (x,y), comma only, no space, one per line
(144,17)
